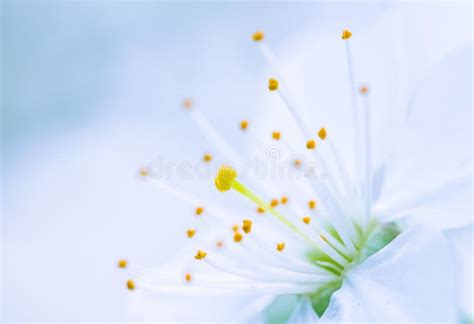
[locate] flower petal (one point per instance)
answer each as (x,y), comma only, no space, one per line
(461,242)
(412,279)
(433,149)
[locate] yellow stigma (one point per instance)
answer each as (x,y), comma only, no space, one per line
(238,237)
(122,263)
(260,210)
(311,145)
(244,124)
(199,210)
(364,89)
(225,177)
(272,84)
(191,232)
(322,133)
(306,220)
(346,34)
(143,172)
(276,135)
(284,200)
(200,255)
(187,103)
(258,36)
(188,277)
(280,246)
(297,163)
(207,158)
(219,244)
(130,284)
(247,226)
(274,202)
(312,204)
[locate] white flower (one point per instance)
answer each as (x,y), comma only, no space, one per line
(359,249)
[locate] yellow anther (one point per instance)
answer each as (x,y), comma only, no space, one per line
(247,226)
(364,89)
(188,277)
(260,210)
(306,220)
(122,263)
(274,202)
(346,34)
(235,228)
(276,135)
(244,124)
(191,232)
(322,133)
(297,163)
(143,172)
(280,246)
(199,210)
(258,36)
(200,255)
(311,145)
(272,84)
(130,284)
(187,103)
(312,204)
(238,237)
(207,157)
(219,244)
(284,200)
(225,177)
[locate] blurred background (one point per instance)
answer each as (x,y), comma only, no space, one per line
(92,90)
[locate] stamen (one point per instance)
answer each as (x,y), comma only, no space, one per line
(200,255)
(207,157)
(322,133)
(247,226)
(238,237)
(284,200)
(280,246)
(130,284)
(306,220)
(368,154)
(219,244)
(274,202)
(363,89)
(187,103)
(235,228)
(312,204)
(272,84)
(191,232)
(311,145)
(260,210)
(276,135)
(143,172)
(346,34)
(258,36)
(297,163)
(244,124)
(122,263)
(187,277)
(199,210)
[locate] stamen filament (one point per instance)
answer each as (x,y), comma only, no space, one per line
(355,110)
